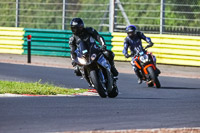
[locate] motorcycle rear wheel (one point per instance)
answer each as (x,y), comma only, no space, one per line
(153,76)
(97,84)
(150,84)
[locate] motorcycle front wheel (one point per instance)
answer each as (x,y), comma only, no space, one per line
(153,76)
(113,93)
(97,84)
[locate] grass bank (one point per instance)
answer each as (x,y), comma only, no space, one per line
(35,88)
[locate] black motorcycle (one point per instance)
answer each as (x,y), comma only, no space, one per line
(95,68)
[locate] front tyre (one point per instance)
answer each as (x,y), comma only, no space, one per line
(153,76)
(109,84)
(97,84)
(114,92)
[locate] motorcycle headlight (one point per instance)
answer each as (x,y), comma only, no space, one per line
(144,58)
(93,57)
(84,51)
(83,61)
(141,53)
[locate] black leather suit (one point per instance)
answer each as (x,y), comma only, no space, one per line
(88,36)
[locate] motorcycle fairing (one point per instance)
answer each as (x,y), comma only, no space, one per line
(103,62)
(136,63)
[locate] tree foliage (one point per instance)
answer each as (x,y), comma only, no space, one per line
(145,14)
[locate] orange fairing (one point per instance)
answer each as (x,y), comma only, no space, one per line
(145,68)
(137,64)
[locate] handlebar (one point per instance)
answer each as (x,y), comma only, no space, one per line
(131,55)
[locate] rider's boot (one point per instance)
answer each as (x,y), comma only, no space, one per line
(139,80)
(157,71)
(77,71)
(110,57)
(113,69)
(89,83)
(114,72)
(138,75)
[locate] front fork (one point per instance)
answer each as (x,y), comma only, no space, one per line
(141,73)
(105,70)
(148,79)
(85,75)
(102,78)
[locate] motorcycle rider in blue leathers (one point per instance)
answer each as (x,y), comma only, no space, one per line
(133,40)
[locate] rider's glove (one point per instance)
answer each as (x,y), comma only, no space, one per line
(146,47)
(73,63)
(126,55)
(150,45)
(103,47)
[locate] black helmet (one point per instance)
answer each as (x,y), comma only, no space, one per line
(131,30)
(77,25)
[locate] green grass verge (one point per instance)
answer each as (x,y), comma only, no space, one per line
(36,88)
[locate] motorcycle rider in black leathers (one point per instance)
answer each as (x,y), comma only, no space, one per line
(85,36)
(133,40)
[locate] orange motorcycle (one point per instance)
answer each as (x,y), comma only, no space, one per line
(144,62)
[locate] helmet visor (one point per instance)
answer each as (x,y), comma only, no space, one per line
(131,34)
(76,30)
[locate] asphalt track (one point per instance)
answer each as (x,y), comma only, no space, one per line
(175,105)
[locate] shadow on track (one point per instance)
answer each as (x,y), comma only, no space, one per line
(150,98)
(179,88)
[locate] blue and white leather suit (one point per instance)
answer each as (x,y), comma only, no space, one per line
(134,42)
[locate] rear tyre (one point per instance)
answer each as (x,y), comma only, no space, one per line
(150,85)
(157,82)
(97,84)
(153,77)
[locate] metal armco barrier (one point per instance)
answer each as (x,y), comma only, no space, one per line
(44,41)
(11,40)
(169,49)
(53,42)
(48,42)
